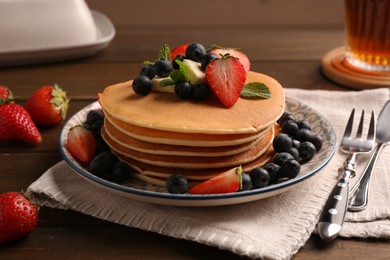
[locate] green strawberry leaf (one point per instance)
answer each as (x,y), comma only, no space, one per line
(167,82)
(255,90)
(165,52)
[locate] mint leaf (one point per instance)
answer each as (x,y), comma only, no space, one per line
(178,76)
(167,82)
(184,69)
(165,52)
(182,74)
(255,90)
(149,63)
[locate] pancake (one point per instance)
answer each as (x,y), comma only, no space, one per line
(164,111)
(178,138)
(193,162)
(156,148)
(163,173)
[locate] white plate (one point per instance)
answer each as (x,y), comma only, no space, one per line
(105,33)
(145,192)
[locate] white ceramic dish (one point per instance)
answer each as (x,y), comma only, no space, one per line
(145,192)
(104,32)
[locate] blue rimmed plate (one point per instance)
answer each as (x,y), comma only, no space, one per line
(146,192)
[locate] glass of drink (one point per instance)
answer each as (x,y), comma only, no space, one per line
(368,34)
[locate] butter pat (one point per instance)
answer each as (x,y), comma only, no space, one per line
(196,74)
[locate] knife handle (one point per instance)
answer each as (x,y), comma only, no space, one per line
(332,217)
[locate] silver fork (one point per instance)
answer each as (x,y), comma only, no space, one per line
(333,214)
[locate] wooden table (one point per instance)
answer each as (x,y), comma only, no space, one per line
(284,39)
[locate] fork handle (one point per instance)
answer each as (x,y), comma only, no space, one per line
(333,214)
(358,197)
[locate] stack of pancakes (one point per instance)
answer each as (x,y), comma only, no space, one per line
(159,134)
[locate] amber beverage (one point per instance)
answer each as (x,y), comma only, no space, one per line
(368,34)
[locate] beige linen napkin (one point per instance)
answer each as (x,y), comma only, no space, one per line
(272,228)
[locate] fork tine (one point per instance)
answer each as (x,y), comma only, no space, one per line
(360,128)
(371,129)
(348,129)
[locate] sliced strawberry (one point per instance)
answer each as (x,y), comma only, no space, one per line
(81,144)
(179,50)
(235,53)
(6,95)
(226,182)
(226,77)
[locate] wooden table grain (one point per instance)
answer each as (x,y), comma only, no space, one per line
(284,39)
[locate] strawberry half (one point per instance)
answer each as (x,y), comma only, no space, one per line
(18,216)
(6,95)
(48,105)
(226,182)
(17,125)
(226,77)
(179,50)
(81,144)
(235,53)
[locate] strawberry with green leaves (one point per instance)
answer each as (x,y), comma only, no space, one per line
(48,105)
(235,53)
(226,182)
(17,125)
(226,77)
(18,216)
(6,95)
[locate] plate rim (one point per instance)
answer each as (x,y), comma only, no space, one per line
(114,187)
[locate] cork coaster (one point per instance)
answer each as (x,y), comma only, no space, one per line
(336,68)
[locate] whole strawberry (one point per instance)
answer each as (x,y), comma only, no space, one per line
(18,216)
(48,105)
(6,95)
(17,125)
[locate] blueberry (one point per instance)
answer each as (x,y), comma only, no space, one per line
(201,91)
(94,115)
(174,64)
(195,51)
(317,141)
(96,127)
(273,171)
(281,157)
(142,85)
(120,171)
(246,182)
(148,71)
(290,169)
(285,116)
(101,146)
(282,143)
(307,151)
(296,143)
(303,124)
(294,152)
(289,127)
(304,134)
(260,177)
(183,90)
(163,67)
(102,163)
(207,58)
(177,184)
